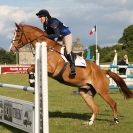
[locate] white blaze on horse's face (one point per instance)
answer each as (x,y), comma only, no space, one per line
(12,48)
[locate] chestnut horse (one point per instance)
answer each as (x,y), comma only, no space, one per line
(90,79)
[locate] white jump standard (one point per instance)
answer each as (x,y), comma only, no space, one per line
(29,117)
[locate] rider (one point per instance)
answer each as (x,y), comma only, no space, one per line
(56,30)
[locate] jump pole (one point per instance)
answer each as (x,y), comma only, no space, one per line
(41,90)
(19,87)
(45,89)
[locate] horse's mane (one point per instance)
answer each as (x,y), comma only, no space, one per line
(33,27)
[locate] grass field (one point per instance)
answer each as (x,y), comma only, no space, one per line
(67,111)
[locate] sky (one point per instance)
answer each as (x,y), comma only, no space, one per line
(110,17)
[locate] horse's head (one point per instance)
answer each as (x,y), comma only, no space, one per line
(25,34)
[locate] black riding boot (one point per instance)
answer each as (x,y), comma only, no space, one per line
(72,64)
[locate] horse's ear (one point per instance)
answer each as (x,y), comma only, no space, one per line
(17,25)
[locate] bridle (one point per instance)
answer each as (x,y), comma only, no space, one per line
(20,42)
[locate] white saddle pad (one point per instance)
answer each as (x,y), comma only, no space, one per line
(79,61)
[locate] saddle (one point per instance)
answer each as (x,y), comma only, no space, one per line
(78,58)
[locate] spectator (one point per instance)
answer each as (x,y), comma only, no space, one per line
(124,61)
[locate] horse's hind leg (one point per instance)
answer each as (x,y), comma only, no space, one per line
(90,102)
(112,104)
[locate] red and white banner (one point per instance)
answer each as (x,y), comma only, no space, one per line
(13,69)
(93,30)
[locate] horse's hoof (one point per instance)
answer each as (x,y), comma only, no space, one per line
(116,120)
(88,123)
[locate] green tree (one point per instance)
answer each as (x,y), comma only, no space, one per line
(127,41)
(7,57)
(127,38)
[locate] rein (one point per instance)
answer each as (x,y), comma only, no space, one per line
(53,49)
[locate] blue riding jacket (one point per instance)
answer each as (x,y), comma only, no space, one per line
(55,28)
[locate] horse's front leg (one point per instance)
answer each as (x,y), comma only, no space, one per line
(90,102)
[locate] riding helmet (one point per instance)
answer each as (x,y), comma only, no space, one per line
(43,13)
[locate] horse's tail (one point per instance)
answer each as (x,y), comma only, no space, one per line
(121,84)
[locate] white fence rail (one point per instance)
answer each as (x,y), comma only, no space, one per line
(128,77)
